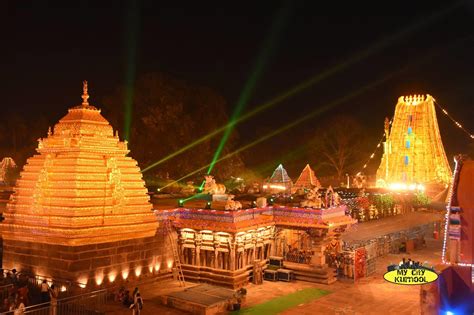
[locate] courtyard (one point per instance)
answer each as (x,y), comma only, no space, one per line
(370,295)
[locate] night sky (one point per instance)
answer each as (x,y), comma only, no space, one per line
(50,47)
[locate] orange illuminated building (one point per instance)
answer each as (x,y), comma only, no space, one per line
(78,203)
(413,151)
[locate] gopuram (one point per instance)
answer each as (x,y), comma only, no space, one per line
(413,150)
(80,210)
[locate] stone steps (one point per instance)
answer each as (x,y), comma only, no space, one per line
(303,272)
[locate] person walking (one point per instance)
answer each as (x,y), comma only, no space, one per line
(53,294)
(137,306)
(134,295)
(44,291)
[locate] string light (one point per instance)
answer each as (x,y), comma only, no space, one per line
(445,112)
(379,144)
(448,211)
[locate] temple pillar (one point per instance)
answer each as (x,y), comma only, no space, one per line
(272,249)
(215,263)
(193,256)
(197,244)
(319,258)
(232,254)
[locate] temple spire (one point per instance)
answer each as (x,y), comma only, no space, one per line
(85,96)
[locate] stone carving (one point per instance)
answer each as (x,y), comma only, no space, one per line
(332,198)
(211,187)
(313,199)
(115,181)
(231,204)
(261,202)
(189,189)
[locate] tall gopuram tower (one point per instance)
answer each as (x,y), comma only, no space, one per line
(80,210)
(413,151)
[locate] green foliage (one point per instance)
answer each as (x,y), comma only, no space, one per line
(282,303)
(421,200)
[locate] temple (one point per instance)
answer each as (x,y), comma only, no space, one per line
(306,180)
(279,182)
(80,206)
(228,247)
(413,150)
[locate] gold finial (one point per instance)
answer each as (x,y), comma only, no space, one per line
(85,96)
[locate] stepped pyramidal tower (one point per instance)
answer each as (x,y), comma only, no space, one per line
(79,202)
(413,151)
(307,179)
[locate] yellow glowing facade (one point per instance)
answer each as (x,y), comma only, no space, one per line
(80,188)
(413,151)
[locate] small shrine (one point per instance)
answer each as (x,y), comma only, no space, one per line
(306,181)
(279,182)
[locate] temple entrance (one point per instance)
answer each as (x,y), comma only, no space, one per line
(296,246)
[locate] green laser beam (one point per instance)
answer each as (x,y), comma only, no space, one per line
(132,24)
(296,122)
(268,46)
(313,80)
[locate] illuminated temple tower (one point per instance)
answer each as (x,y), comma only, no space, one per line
(80,210)
(413,151)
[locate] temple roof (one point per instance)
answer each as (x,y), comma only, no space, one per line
(81,187)
(307,179)
(280,175)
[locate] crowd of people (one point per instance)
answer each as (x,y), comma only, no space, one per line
(133,301)
(409,264)
(298,256)
(17,295)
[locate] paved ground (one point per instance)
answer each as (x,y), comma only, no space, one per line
(375,228)
(371,295)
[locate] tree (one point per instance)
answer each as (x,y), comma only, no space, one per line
(169,114)
(338,144)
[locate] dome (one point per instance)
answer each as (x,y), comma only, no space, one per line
(81,187)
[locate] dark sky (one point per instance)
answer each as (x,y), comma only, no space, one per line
(50,47)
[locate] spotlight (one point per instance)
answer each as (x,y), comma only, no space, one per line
(208,205)
(254,204)
(271,201)
(180,203)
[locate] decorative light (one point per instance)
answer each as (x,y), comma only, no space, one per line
(82,282)
(112,275)
(99,277)
(405,186)
(454,121)
(169,263)
(138,271)
(63,288)
(274,186)
(125,274)
(157,266)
